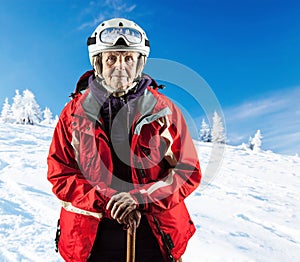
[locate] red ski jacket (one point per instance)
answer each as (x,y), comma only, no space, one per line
(164,165)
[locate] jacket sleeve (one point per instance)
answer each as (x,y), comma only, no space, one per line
(76,193)
(183,174)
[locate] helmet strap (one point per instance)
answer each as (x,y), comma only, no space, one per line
(140,65)
(98,65)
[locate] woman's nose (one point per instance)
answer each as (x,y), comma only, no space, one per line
(120,62)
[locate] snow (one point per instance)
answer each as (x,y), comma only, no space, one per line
(249,212)
(28,210)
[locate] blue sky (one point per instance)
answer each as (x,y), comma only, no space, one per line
(247,51)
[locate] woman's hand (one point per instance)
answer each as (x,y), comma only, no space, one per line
(120,205)
(132,221)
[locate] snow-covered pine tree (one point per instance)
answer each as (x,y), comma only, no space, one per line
(249,142)
(47,116)
(218,131)
(255,142)
(17,108)
(205,134)
(32,113)
(55,121)
(6,114)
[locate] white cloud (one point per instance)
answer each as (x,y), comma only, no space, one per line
(104,11)
(276,115)
(260,107)
(120,5)
(93,23)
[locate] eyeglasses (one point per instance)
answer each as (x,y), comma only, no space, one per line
(111,35)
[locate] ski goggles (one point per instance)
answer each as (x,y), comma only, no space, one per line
(111,36)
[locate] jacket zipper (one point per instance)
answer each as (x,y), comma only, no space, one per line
(167,241)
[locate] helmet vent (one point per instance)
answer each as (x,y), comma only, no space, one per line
(120,24)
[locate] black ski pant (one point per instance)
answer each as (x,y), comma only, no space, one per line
(110,243)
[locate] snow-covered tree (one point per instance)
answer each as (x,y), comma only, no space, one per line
(17,108)
(32,113)
(55,121)
(218,131)
(255,142)
(24,109)
(6,113)
(204,133)
(249,142)
(47,116)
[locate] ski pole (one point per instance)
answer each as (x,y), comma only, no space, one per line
(130,254)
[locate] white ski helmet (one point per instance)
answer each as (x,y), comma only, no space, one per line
(118,34)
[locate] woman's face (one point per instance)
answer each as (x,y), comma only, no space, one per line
(119,69)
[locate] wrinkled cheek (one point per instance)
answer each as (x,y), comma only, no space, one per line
(131,74)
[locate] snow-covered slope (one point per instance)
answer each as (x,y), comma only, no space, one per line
(249,212)
(28,210)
